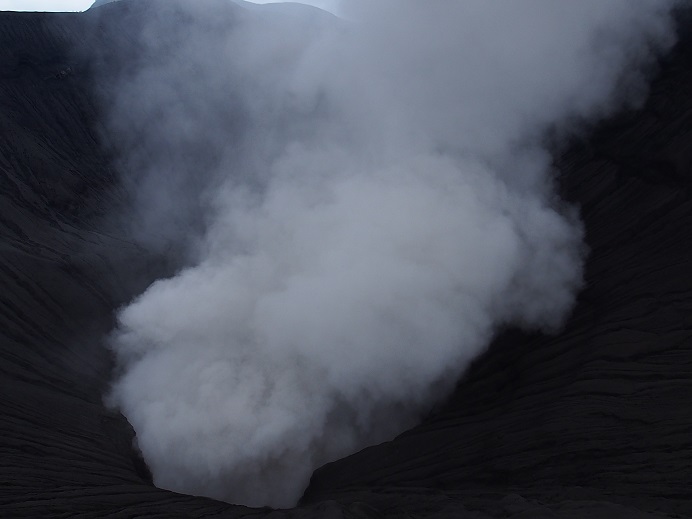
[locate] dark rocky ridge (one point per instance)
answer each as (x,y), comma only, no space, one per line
(595,421)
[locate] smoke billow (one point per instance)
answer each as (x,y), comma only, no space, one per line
(363,202)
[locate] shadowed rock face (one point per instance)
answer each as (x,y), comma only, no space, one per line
(594,421)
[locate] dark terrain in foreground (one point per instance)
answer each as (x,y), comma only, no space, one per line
(593,422)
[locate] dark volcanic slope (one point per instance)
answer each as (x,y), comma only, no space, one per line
(594,422)
(61,452)
(602,412)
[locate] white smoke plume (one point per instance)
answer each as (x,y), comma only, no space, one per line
(364,201)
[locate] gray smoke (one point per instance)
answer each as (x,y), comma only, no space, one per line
(363,203)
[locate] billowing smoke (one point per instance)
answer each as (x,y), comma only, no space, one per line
(363,203)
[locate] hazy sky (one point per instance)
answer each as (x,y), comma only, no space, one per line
(45,5)
(81,5)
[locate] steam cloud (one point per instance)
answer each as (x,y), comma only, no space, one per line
(363,203)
